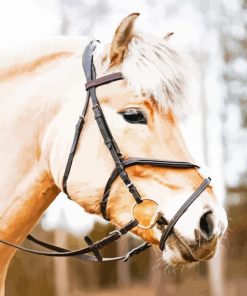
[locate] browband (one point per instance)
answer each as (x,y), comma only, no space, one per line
(104,80)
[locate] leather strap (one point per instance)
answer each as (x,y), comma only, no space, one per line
(80,253)
(104,128)
(86,257)
(104,80)
(139,161)
(78,129)
(167,232)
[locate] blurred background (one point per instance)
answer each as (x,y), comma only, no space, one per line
(214,33)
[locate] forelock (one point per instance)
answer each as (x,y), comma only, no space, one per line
(154,68)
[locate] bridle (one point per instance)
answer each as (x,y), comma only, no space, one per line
(119,171)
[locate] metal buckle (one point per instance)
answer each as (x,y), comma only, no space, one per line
(155,216)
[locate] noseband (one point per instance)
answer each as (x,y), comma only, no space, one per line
(119,171)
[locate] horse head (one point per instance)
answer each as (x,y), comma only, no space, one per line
(141,111)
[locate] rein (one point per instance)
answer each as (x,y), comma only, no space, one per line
(120,165)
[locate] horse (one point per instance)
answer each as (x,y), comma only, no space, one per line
(41,97)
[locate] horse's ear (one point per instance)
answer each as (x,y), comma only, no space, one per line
(168,36)
(122,37)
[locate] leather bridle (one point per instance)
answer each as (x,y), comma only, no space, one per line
(119,171)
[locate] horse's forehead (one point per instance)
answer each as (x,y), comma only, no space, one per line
(121,93)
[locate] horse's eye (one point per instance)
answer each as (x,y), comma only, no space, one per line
(134,116)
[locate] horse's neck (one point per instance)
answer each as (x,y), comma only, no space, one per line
(26,185)
(20,212)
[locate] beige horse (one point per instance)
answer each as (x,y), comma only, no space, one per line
(42,94)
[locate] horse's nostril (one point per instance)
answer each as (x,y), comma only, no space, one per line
(207,225)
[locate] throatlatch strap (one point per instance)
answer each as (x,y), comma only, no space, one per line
(78,129)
